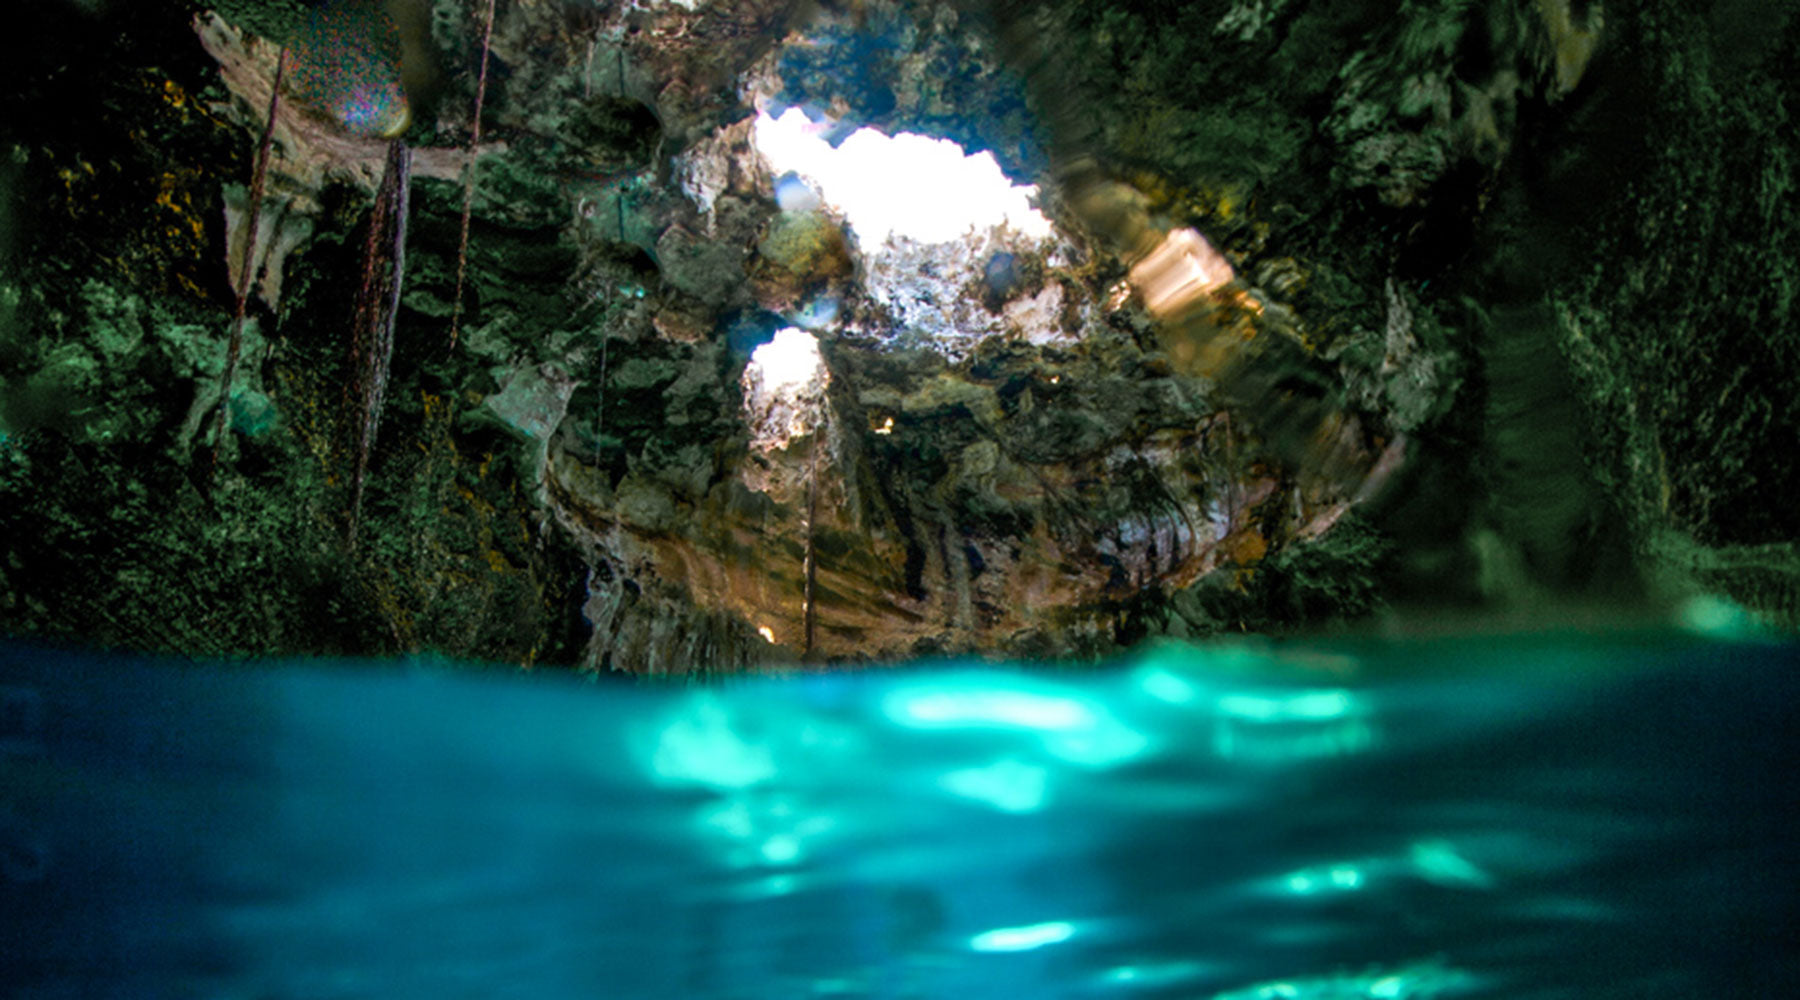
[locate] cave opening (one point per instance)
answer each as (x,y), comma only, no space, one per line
(938,240)
(900,218)
(908,185)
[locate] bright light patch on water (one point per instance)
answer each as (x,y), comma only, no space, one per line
(1157,975)
(1300,725)
(1007,785)
(1307,705)
(1339,878)
(759,831)
(933,708)
(1418,981)
(1078,731)
(1003,939)
(1387,987)
(1439,861)
(780,850)
(768,887)
(701,748)
(1103,744)
(1165,686)
(905,185)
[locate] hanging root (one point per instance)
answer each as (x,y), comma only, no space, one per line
(600,407)
(257,174)
(809,615)
(468,205)
(377,304)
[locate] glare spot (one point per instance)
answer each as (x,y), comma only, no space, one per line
(767,633)
(1717,618)
(817,314)
(1004,939)
(376,110)
(1007,785)
(795,195)
(887,426)
(1182,270)
(907,185)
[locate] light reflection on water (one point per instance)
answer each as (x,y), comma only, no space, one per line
(1524,818)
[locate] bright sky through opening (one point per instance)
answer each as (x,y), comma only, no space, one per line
(788,361)
(910,185)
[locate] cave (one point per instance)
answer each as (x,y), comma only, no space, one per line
(1234,498)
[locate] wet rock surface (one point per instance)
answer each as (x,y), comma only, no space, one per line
(1344,308)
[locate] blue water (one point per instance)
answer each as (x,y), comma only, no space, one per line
(1518,818)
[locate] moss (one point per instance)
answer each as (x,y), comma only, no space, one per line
(1680,330)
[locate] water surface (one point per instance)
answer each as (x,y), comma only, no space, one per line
(1520,818)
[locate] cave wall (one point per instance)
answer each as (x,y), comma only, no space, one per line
(1509,328)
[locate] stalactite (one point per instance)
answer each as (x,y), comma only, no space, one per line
(245,273)
(377,304)
(468,205)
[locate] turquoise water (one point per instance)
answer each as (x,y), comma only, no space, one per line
(1519,818)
